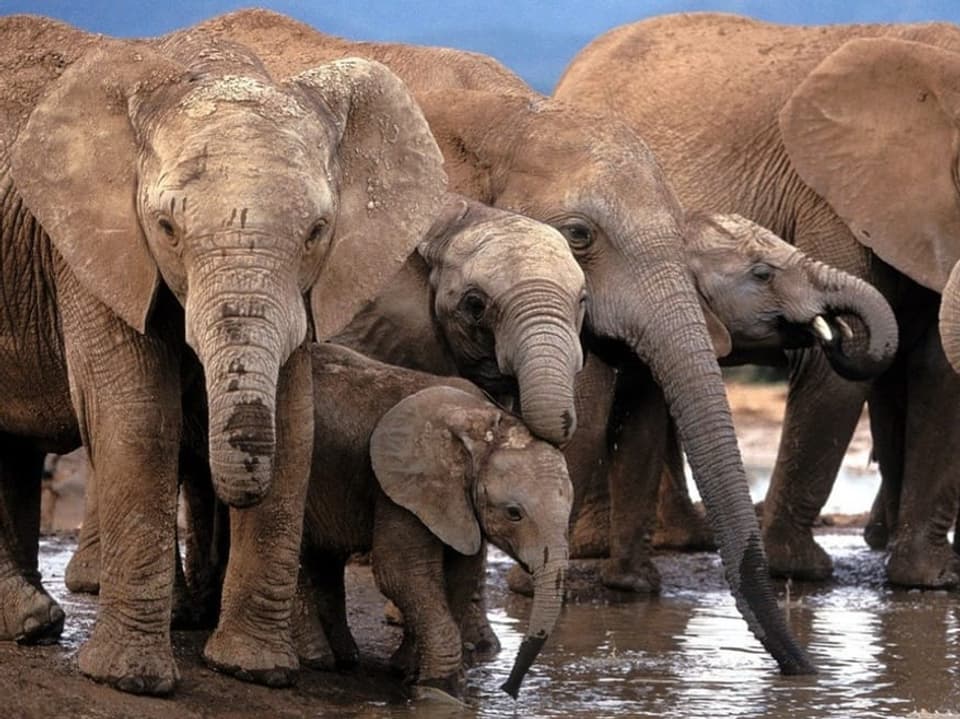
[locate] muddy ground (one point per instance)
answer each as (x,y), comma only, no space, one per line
(44,682)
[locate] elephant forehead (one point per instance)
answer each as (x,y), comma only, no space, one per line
(205,99)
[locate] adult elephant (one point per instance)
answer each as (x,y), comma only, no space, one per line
(597,183)
(842,140)
(164,210)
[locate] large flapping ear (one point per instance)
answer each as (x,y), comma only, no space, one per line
(873,130)
(719,335)
(423,453)
(391,183)
(75,166)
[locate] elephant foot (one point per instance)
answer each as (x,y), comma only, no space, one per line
(628,575)
(138,664)
(28,615)
(82,575)
(794,553)
(922,565)
(445,691)
(313,649)
(268,660)
(480,642)
(876,534)
(520,581)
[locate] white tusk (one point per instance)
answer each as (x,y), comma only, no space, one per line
(845,329)
(822,329)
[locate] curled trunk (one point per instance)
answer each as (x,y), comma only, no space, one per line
(548,582)
(950,318)
(846,294)
(543,351)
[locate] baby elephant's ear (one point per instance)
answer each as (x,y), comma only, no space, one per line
(423,465)
(719,335)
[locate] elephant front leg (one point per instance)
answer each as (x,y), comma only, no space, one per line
(821,415)
(637,459)
(920,555)
(321,632)
(83,571)
(466,596)
(679,524)
(27,613)
(253,639)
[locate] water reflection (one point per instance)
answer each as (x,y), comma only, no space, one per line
(881,652)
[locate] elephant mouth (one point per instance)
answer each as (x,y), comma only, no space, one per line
(827,330)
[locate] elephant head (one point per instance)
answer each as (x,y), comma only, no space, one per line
(187,162)
(467,470)
(761,293)
(509,299)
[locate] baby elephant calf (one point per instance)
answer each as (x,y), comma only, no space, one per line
(421,469)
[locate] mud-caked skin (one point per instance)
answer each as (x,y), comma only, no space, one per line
(421,472)
(595,181)
(164,208)
(811,135)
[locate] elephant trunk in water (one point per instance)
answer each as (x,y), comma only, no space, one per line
(950,318)
(548,580)
(844,293)
(243,335)
(541,350)
(669,333)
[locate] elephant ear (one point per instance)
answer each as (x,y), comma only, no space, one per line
(391,183)
(873,130)
(719,335)
(424,452)
(75,166)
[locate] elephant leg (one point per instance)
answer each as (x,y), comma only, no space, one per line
(322,635)
(27,613)
(920,555)
(887,406)
(638,450)
(83,570)
(408,566)
(126,393)
(679,524)
(466,596)
(206,541)
(821,415)
(253,639)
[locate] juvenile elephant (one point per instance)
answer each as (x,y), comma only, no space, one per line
(843,141)
(760,295)
(600,186)
(164,210)
(421,472)
(493,296)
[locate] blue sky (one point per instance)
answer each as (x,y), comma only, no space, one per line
(535,38)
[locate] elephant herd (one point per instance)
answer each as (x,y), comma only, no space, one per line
(348,296)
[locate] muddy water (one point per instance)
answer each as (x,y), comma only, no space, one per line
(881,653)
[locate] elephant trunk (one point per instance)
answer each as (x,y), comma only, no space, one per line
(548,580)
(846,294)
(242,338)
(542,349)
(950,318)
(674,342)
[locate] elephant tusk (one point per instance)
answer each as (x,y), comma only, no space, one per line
(845,329)
(822,329)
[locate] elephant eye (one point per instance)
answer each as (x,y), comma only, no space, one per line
(318,236)
(579,235)
(514,512)
(762,272)
(473,305)
(166,226)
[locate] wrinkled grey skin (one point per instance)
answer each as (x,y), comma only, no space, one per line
(420,472)
(812,136)
(164,210)
(490,295)
(597,183)
(759,295)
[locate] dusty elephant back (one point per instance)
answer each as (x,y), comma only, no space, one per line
(288,46)
(34,51)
